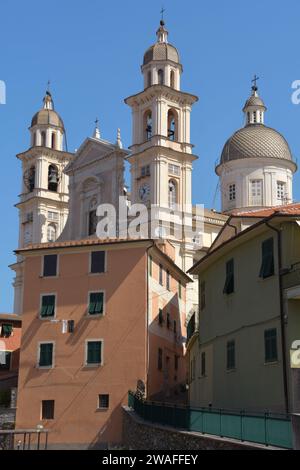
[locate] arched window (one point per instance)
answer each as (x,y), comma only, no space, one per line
(254,117)
(172,79)
(43,139)
(149,81)
(29,178)
(172,194)
(172,125)
(34,140)
(53,140)
(53,179)
(248,117)
(51,233)
(148,125)
(160,75)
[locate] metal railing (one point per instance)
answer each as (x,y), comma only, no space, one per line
(23,439)
(268,429)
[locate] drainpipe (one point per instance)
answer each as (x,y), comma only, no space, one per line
(147,319)
(282,318)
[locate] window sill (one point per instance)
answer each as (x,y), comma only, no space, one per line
(49,277)
(97,274)
(48,318)
(101,410)
(92,366)
(230,371)
(44,367)
(95,315)
(271,363)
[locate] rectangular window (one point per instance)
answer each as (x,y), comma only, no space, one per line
(94,352)
(229,282)
(103,402)
(168,281)
(271,354)
(96,303)
(50,265)
(6,330)
(202,295)
(168,320)
(281,191)
(203,364)
(231,355)
(53,216)
(145,171)
(46,355)
(48,306)
(5,360)
(256,192)
(174,169)
(161,275)
(267,266)
(150,265)
(175,327)
(160,316)
(160,359)
(193,369)
(97,262)
(232,192)
(48,409)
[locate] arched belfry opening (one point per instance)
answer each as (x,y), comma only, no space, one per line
(148,124)
(53,140)
(172,79)
(160,77)
(172,194)
(43,139)
(172,125)
(53,178)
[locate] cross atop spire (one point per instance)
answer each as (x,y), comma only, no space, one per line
(254,81)
(97,134)
(162,15)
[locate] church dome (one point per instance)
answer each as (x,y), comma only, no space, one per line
(256,101)
(161,51)
(256,141)
(47,115)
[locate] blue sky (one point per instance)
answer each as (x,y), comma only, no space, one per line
(92,52)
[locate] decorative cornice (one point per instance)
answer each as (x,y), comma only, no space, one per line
(156,91)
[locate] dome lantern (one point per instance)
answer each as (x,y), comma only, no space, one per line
(47,128)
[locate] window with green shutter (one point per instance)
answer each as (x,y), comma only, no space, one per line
(160,316)
(6,330)
(231,355)
(271,353)
(48,306)
(94,352)
(96,303)
(46,355)
(267,265)
(229,282)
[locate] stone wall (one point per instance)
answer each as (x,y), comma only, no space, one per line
(7,415)
(141,435)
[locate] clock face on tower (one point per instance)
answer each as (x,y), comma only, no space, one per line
(144,192)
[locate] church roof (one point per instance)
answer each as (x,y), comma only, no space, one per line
(48,117)
(161,51)
(256,141)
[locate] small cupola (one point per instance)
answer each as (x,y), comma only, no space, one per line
(254,108)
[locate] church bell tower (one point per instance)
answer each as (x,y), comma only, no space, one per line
(161,152)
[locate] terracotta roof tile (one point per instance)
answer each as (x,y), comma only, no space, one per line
(288,209)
